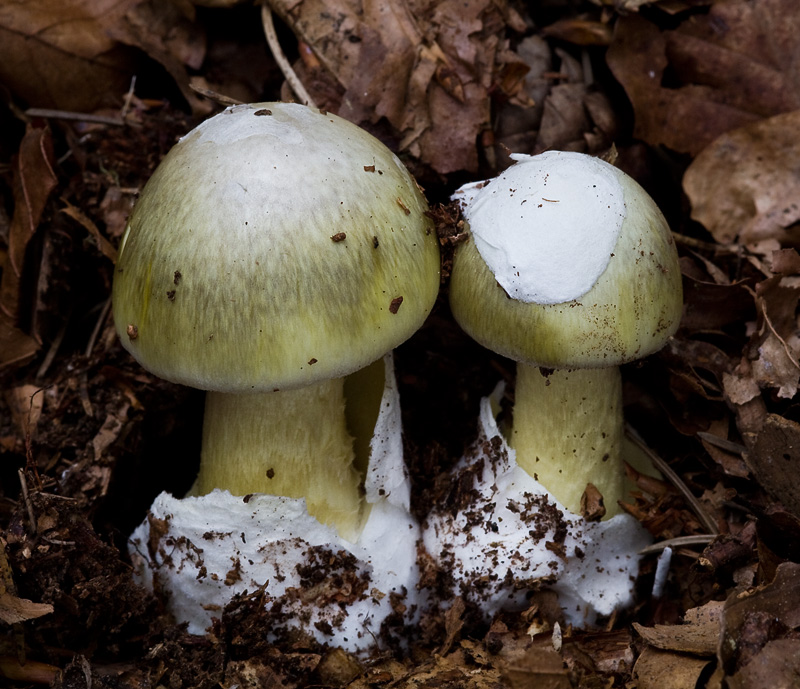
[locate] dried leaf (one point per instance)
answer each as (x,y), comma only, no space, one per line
(103,244)
(699,634)
(754,618)
(732,66)
(34,181)
(25,403)
(14,610)
(776,666)
(431,85)
(775,456)
(57,54)
(657,669)
(745,183)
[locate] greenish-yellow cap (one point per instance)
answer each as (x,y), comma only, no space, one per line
(630,311)
(273,247)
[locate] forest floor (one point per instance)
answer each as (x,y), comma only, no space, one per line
(700,102)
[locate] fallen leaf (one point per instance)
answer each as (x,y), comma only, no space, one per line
(14,610)
(756,617)
(776,666)
(745,184)
(699,634)
(432,86)
(656,669)
(52,50)
(716,72)
(776,455)
(34,181)
(25,403)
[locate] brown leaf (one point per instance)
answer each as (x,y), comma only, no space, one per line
(34,180)
(25,403)
(14,610)
(754,618)
(775,456)
(72,54)
(745,183)
(698,635)
(776,666)
(657,669)
(56,53)
(731,67)
(538,665)
(103,244)
(432,85)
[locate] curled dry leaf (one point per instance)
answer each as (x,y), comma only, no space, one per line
(727,68)
(745,184)
(34,181)
(698,634)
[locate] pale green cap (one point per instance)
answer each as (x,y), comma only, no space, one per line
(274,246)
(579,217)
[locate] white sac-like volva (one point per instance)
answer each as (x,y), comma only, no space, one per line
(199,552)
(506,536)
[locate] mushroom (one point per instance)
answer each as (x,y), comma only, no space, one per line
(275,250)
(571,271)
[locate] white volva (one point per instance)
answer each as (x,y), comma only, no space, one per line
(516,537)
(202,551)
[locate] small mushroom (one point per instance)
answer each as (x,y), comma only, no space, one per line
(571,271)
(268,314)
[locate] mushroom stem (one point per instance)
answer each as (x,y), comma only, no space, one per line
(290,442)
(568,432)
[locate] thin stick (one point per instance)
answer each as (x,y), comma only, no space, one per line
(77,116)
(272,40)
(23,482)
(697,507)
(679,542)
(97,327)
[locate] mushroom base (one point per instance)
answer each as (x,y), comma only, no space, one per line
(504,536)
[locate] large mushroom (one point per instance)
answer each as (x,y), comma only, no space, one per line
(570,271)
(275,250)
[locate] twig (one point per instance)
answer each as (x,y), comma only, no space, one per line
(77,116)
(272,40)
(126,105)
(97,327)
(53,350)
(23,482)
(697,507)
(722,443)
(213,95)
(679,542)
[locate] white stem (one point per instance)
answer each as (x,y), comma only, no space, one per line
(292,443)
(568,432)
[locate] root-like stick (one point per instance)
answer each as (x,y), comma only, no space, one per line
(272,40)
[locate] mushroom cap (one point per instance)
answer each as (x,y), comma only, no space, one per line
(274,246)
(570,265)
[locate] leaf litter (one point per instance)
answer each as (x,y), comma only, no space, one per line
(699,100)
